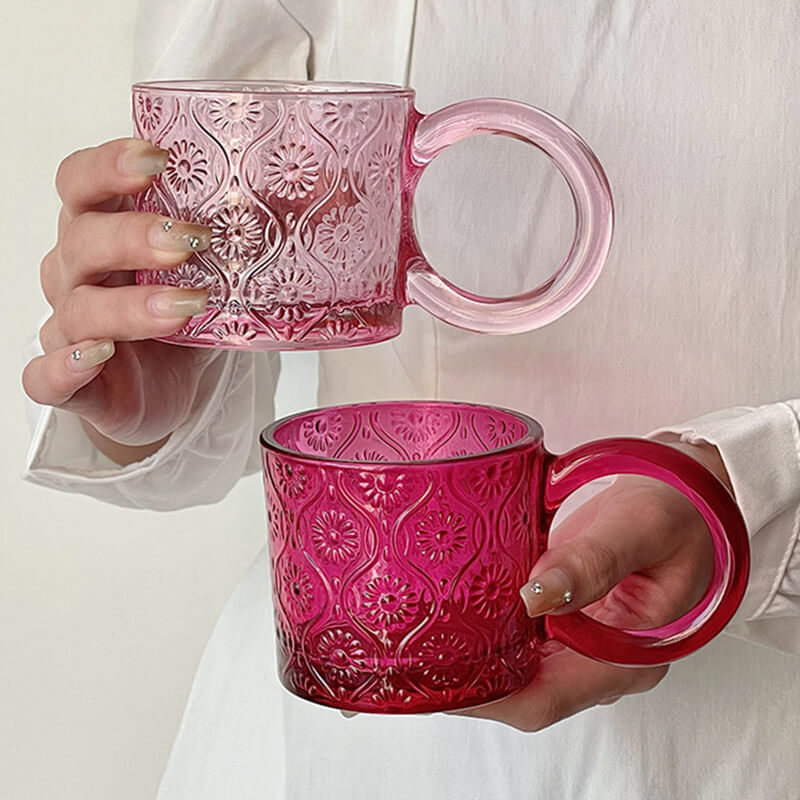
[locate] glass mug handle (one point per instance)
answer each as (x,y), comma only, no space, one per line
(565,473)
(594,214)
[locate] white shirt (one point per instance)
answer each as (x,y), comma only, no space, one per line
(693,111)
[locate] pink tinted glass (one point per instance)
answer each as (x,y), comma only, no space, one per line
(400,533)
(308,190)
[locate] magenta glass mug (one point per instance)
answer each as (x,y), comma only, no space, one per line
(308,190)
(400,533)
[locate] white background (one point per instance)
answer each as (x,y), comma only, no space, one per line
(103,611)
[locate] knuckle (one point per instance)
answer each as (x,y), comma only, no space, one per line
(48,335)
(28,383)
(49,270)
(71,313)
(600,564)
(71,238)
(65,173)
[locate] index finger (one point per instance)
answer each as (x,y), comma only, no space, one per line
(88,178)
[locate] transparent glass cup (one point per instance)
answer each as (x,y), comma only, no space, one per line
(400,533)
(308,189)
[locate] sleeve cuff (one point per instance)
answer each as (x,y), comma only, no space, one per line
(760,448)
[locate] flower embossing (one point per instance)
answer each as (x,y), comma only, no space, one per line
(322,431)
(298,590)
(382,170)
(415,425)
(187,276)
(236,234)
(384,490)
(234,115)
(491,592)
(291,481)
(292,170)
(187,167)
(344,119)
(286,292)
(149,110)
(388,601)
(441,656)
(390,695)
(440,535)
(342,654)
(235,333)
(492,481)
(334,537)
(369,455)
(340,237)
(339,328)
(501,432)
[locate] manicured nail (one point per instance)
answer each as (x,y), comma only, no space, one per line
(173,236)
(547,592)
(84,358)
(349,714)
(178,302)
(141,159)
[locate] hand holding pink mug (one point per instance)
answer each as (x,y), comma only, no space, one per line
(399,536)
(308,191)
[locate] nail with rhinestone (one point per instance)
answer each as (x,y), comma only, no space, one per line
(547,592)
(174,237)
(85,358)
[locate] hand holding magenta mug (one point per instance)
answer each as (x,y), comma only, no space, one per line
(308,191)
(400,533)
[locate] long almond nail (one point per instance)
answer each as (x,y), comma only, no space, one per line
(547,592)
(178,302)
(85,358)
(177,237)
(142,159)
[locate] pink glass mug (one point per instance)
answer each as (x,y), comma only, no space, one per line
(400,532)
(308,189)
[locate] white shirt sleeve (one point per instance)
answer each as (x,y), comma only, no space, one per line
(760,448)
(198,464)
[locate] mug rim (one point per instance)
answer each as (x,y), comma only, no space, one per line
(534,435)
(274,88)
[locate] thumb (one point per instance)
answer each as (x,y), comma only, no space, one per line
(622,538)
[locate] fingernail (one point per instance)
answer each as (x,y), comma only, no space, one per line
(142,159)
(547,592)
(169,234)
(349,714)
(84,358)
(178,302)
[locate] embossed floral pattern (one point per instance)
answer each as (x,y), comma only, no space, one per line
(442,656)
(286,292)
(150,111)
(382,171)
(334,537)
(491,591)
(234,116)
(339,328)
(383,490)
(415,425)
(390,695)
(187,276)
(322,431)
(489,482)
(340,237)
(502,432)
(292,170)
(236,234)
(440,535)
(187,167)
(342,654)
(235,333)
(380,281)
(369,455)
(298,591)
(344,118)
(291,480)
(389,601)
